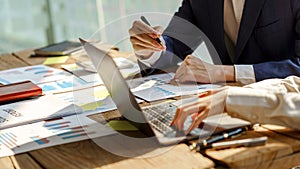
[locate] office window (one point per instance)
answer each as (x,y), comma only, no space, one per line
(34,23)
(22,24)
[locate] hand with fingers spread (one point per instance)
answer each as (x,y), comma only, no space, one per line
(142,38)
(195,70)
(211,103)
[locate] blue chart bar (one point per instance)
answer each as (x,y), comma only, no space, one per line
(9,140)
(73,136)
(56,125)
(165,92)
(73,132)
(65,84)
(77,135)
(40,140)
(65,131)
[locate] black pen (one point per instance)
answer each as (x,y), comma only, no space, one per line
(146,22)
(204,144)
(249,142)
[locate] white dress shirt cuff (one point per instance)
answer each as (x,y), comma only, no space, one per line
(244,74)
(155,56)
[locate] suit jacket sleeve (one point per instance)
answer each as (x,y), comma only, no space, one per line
(284,68)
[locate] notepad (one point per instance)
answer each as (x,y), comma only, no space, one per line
(121,125)
(56,60)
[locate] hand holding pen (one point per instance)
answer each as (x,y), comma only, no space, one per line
(145,39)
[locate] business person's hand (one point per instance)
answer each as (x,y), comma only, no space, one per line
(142,38)
(211,103)
(195,70)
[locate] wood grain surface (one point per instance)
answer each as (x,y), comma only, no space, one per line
(281,151)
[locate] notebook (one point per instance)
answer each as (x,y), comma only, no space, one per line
(58,49)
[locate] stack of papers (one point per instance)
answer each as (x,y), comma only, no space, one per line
(22,124)
(37,74)
(70,97)
(43,134)
(28,111)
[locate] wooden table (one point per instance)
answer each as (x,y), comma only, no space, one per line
(281,151)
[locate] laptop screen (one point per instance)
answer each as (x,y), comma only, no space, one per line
(117,87)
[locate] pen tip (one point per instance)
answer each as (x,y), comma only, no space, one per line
(82,41)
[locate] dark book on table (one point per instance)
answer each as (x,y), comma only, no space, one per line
(57,49)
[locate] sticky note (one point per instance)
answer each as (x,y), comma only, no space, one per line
(91,106)
(56,60)
(101,94)
(121,125)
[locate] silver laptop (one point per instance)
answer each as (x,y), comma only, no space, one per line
(153,120)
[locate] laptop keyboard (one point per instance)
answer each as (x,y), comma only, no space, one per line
(160,117)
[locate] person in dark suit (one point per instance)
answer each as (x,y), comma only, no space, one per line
(253,40)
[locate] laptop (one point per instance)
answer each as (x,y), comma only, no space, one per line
(153,120)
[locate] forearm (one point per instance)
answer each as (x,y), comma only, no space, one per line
(263,106)
(229,73)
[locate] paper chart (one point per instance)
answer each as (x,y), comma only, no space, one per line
(49,133)
(37,74)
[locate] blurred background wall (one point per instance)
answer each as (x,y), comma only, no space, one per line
(35,23)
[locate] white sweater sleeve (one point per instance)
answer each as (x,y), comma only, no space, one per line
(278,104)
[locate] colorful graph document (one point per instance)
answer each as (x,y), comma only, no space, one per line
(158,87)
(36,74)
(65,85)
(150,81)
(49,133)
(28,111)
(92,100)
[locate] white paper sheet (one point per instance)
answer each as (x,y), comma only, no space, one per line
(68,84)
(161,92)
(91,100)
(158,87)
(37,74)
(44,107)
(43,134)
(150,81)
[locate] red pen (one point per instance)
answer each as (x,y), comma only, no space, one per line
(201,95)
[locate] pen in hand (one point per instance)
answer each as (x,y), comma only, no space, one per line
(147,22)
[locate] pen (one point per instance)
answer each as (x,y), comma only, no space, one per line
(146,22)
(238,143)
(204,144)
